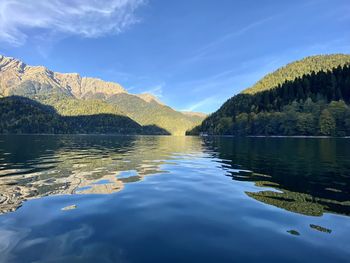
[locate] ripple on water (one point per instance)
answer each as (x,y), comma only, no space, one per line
(212,199)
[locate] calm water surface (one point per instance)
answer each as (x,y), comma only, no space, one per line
(169,199)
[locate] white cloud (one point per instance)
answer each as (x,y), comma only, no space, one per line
(87,18)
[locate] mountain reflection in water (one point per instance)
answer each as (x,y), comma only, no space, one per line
(306,176)
(37,166)
(173,199)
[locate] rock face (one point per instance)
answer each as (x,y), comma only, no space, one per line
(82,87)
(14,73)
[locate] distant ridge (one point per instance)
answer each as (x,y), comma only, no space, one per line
(150,98)
(195,114)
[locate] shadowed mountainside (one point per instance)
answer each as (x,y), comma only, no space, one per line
(23,115)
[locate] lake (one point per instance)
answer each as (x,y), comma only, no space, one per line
(174,199)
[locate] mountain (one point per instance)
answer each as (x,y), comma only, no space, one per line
(72,95)
(194,114)
(148,113)
(17,78)
(312,99)
(297,69)
(23,115)
(149,98)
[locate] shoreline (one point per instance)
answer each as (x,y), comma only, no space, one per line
(300,136)
(79,134)
(146,135)
(277,136)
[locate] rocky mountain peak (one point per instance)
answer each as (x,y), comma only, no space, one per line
(11,63)
(14,73)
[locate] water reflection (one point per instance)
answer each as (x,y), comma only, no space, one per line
(37,166)
(304,176)
(93,199)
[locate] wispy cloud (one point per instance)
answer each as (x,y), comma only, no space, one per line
(228,83)
(236,33)
(211,46)
(202,104)
(156,90)
(87,18)
(237,78)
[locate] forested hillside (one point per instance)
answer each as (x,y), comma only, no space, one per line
(314,104)
(150,113)
(297,69)
(74,96)
(22,115)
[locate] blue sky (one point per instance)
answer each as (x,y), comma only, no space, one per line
(192,54)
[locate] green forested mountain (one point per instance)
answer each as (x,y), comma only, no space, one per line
(74,96)
(148,113)
(297,69)
(69,106)
(23,115)
(312,104)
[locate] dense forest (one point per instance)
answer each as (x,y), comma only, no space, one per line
(313,104)
(144,113)
(22,115)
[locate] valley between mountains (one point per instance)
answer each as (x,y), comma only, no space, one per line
(308,97)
